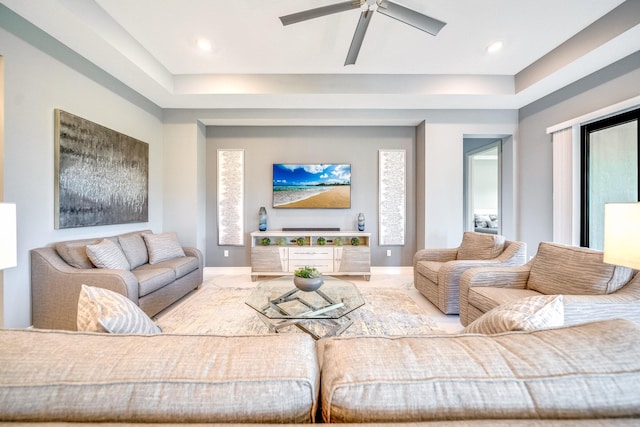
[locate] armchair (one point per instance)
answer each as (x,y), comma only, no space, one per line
(592,290)
(437,271)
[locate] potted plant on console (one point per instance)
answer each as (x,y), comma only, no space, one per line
(307,279)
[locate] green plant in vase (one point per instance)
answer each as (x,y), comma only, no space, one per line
(337,241)
(265,241)
(281,241)
(321,241)
(355,241)
(300,241)
(307,272)
(307,278)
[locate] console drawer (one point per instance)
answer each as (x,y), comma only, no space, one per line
(310,253)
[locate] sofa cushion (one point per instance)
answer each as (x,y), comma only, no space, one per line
(587,371)
(55,376)
(108,254)
(524,314)
(162,247)
(180,266)
(74,252)
(102,310)
(429,269)
(480,246)
(561,269)
(152,279)
(134,249)
(486,298)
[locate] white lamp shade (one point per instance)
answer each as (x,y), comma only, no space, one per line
(622,234)
(8,251)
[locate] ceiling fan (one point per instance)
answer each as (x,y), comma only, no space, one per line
(393,10)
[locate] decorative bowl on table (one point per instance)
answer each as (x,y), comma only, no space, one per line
(307,279)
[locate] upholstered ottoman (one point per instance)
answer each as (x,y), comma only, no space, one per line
(92,377)
(589,371)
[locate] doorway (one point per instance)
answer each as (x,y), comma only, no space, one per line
(482,185)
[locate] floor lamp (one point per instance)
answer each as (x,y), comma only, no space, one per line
(622,234)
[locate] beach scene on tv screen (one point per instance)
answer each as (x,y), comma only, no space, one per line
(312,186)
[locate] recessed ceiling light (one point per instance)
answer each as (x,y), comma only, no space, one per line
(494,47)
(204,44)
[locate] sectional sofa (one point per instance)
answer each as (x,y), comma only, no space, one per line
(580,375)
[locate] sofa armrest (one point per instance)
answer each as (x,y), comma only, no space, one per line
(196,253)
(440,255)
(55,287)
(514,253)
(502,277)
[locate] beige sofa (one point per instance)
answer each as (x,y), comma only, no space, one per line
(591,289)
(581,375)
(437,271)
(157,272)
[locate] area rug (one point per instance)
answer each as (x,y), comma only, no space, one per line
(215,310)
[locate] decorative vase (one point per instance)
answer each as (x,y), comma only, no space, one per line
(308,284)
(262,219)
(360,221)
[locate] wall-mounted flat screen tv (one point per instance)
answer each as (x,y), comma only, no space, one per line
(312,186)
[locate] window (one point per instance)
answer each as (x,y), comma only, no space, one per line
(609,171)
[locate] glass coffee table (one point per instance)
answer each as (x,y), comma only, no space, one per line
(321,313)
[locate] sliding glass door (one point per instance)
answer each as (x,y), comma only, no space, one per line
(610,159)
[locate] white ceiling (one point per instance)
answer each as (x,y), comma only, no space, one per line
(256,62)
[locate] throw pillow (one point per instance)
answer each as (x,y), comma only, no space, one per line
(134,249)
(524,314)
(75,253)
(480,246)
(102,310)
(108,254)
(163,247)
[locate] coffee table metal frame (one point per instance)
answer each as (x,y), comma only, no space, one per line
(295,307)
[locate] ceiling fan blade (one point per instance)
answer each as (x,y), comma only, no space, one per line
(410,17)
(358,37)
(318,12)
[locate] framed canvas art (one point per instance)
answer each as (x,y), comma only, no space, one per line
(101,176)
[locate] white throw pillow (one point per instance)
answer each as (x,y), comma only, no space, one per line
(524,314)
(108,254)
(163,247)
(102,310)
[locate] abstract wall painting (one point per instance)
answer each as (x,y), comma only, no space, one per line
(392,197)
(231,197)
(101,176)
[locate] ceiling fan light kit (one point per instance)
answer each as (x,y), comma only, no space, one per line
(393,10)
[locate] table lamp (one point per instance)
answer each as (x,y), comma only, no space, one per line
(8,250)
(622,234)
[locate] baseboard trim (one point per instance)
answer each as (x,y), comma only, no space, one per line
(211,271)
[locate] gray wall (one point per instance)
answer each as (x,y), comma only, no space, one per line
(616,83)
(310,144)
(41,75)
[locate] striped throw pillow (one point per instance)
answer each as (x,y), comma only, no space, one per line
(524,314)
(102,310)
(108,254)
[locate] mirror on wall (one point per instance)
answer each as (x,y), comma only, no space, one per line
(482,161)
